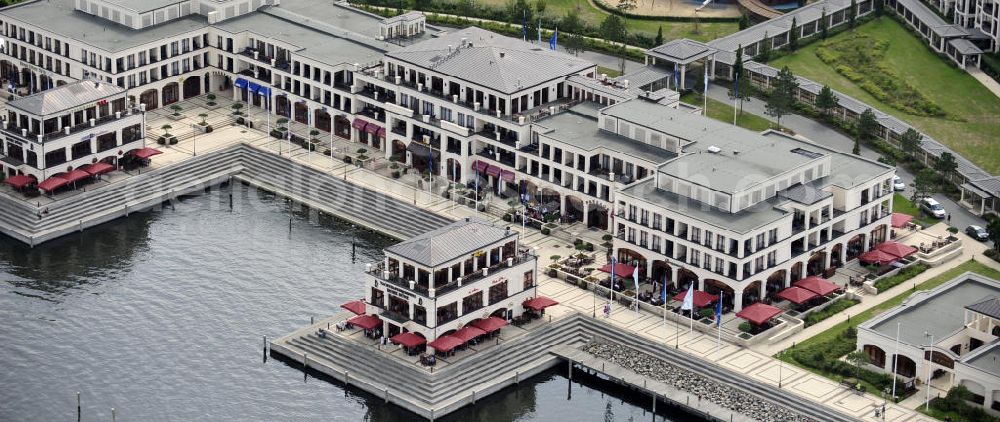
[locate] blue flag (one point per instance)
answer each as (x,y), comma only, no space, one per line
(718,311)
(613,265)
(554,39)
(663,290)
(736,86)
(677,80)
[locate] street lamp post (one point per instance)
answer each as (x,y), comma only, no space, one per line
(927,400)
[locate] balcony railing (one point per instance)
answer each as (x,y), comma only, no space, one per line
(16,131)
(395,280)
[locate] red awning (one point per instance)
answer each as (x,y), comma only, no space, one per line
(76,176)
(490,324)
(492,170)
(366,321)
(817,285)
(444,344)
(98,168)
(356,306)
(876,256)
(480,166)
(408,339)
(507,175)
(900,220)
(539,303)
(372,128)
(467,333)
(359,124)
(758,313)
(621,270)
(146,152)
(19,181)
(797,295)
(52,183)
(381,132)
(896,249)
(701,299)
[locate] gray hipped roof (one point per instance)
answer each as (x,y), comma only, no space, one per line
(65,97)
(447,243)
(989,307)
(491,60)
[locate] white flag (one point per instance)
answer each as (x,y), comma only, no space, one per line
(689,299)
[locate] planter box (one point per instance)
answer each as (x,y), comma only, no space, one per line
(211,106)
(203,128)
(175,117)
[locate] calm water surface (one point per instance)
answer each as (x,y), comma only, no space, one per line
(162,316)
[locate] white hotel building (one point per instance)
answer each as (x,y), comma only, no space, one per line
(467,103)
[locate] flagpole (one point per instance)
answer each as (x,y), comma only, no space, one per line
(718,323)
(705,108)
(895,353)
(736,96)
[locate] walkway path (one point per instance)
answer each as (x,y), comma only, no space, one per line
(990,83)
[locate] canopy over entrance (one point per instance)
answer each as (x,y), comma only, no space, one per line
(758,313)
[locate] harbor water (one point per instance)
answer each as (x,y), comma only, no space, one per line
(163,315)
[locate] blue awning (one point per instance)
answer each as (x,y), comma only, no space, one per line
(240,82)
(265,91)
(253,86)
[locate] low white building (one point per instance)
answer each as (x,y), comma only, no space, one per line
(66,127)
(950,333)
(437,282)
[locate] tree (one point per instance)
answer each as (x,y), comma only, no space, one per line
(879,7)
(793,36)
(782,97)
(572,26)
(745,22)
(659,36)
(923,184)
(540,7)
(236,108)
(910,142)
(613,29)
(946,164)
(993,228)
(858,358)
(856,150)
(764,54)
(203,116)
(852,14)
(824,25)
(625,7)
(866,125)
(826,100)
(742,87)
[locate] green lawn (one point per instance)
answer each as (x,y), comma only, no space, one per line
(971,127)
(719,110)
(707,31)
(902,204)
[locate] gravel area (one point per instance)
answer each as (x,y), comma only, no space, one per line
(723,395)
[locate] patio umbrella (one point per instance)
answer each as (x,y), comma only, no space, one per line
(467,333)
(896,249)
(900,220)
(490,324)
(758,313)
(876,256)
(797,295)
(444,344)
(356,306)
(408,339)
(621,270)
(366,321)
(818,285)
(539,303)
(701,299)
(20,181)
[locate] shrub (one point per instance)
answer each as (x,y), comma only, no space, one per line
(745,327)
(706,313)
(904,274)
(831,310)
(555,257)
(545,231)
(590,247)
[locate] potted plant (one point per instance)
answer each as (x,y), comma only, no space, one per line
(394,168)
(176,115)
(167,138)
(211,100)
(280,130)
(312,139)
(203,125)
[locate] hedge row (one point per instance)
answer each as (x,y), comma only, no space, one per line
(900,277)
(834,308)
(613,10)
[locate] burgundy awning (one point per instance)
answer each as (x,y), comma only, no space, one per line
(896,248)
(701,299)
(492,170)
(381,132)
(372,128)
(758,313)
(621,270)
(490,324)
(900,220)
(19,181)
(356,306)
(52,183)
(480,166)
(817,285)
(359,124)
(366,321)
(797,295)
(146,152)
(507,175)
(444,344)
(76,176)
(98,168)
(876,256)
(408,339)
(539,303)
(467,333)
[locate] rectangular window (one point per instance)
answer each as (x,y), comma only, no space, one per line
(657,221)
(695,235)
(708,238)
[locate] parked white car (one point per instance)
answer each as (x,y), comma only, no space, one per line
(898,184)
(932,207)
